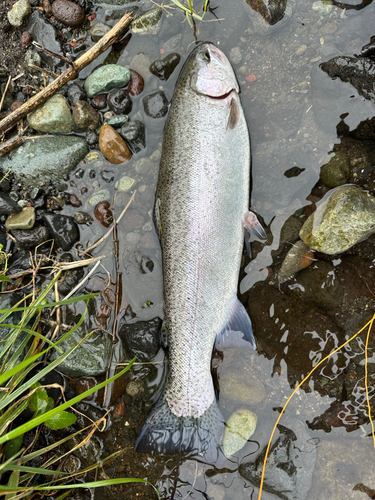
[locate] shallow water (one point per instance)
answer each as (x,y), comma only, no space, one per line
(292,110)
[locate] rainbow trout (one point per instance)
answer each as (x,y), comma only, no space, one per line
(201,210)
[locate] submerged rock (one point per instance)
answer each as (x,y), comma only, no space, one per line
(106,78)
(156,104)
(29,238)
(345,218)
(19,13)
(46,158)
(290,464)
(32,58)
(85,116)
(299,257)
(53,116)
(243,390)
(119,101)
(136,84)
(63,229)
(336,171)
(44,33)
(135,135)
(163,68)
(113,146)
(148,23)
(240,427)
(98,30)
(8,205)
(141,339)
(90,358)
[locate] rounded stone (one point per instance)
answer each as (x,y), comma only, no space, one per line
(8,205)
(68,13)
(32,57)
(29,238)
(135,135)
(106,78)
(240,427)
(103,213)
(83,218)
(99,101)
(156,104)
(63,229)
(98,196)
(125,183)
(85,116)
(76,93)
(98,30)
(250,391)
(53,116)
(119,101)
(19,13)
(26,39)
(22,220)
(113,146)
(336,171)
(299,257)
(136,84)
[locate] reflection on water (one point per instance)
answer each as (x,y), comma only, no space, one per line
(299,116)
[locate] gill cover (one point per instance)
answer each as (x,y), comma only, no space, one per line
(212,73)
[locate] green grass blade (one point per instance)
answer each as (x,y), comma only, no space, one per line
(34,470)
(42,418)
(63,302)
(30,332)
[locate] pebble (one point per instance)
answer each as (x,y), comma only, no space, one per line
(323,8)
(103,213)
(163,68)
(134,388)
(141,64)
(113,146)
(119,101)
(83,218)
(63,229)
(340,221)
(329,29)
(68,13)
(92,138)
(173,44)
(22,220)
(249,391)
(92,156)
(76,92)
(156,104)
(299,257)
(134,134)
(99,101)
(148,23)
(98,30)
(239,428)
(47,7)
(141,339)
(29,238)
(301,50)
(98,196)
(18,14)
(26,39)
(75,201)
(32,57)
(144,166)
(125,183)
(106,78)
(85,116)
(53,116)
(133,220)
(235,55)
(336,171)
(118,120)
(44,33)
(8,205)
(136,84)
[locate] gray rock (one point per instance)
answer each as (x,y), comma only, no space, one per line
(106,78)
(44,33)
(22,220)
(141,64)
(98,196)
(148,23)
(345,218)
(242,390)
(290,464)
(235,55)
(336,171)
(19,13)
(53,117)
(32,57)
(117,121)
(91,358)
(98,30)
(173,44)
(83,218)
(239,428)
(8,205)
(125,183)
(45,158)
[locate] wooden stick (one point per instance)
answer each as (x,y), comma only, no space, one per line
(5,91)
(69,74)
(10,144)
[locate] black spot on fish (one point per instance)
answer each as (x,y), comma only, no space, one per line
(234,114)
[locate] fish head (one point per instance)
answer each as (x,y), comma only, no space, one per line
(211,74)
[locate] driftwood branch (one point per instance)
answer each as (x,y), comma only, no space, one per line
(10,144)
(69,74)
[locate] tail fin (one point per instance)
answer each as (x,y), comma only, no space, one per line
(165,433)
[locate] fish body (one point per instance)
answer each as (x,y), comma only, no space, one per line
(201,199)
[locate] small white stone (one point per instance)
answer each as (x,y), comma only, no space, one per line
(240,427)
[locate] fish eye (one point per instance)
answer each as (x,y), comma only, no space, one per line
(204,55)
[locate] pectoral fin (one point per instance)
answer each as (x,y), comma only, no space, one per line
(238,330)
(234,114)
(252,226)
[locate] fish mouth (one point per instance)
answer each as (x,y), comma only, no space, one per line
(219,97)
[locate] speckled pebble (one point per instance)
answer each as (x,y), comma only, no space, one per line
(240,427)
(125,183)
(98,196)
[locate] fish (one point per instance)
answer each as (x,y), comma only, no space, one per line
(201,215)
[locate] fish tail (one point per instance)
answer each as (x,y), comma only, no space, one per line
(165,433)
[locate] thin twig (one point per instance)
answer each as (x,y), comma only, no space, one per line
(58,56)
(88,250)
(43,70)
(11,144)
(5,91)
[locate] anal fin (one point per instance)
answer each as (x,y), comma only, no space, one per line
(238,330)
